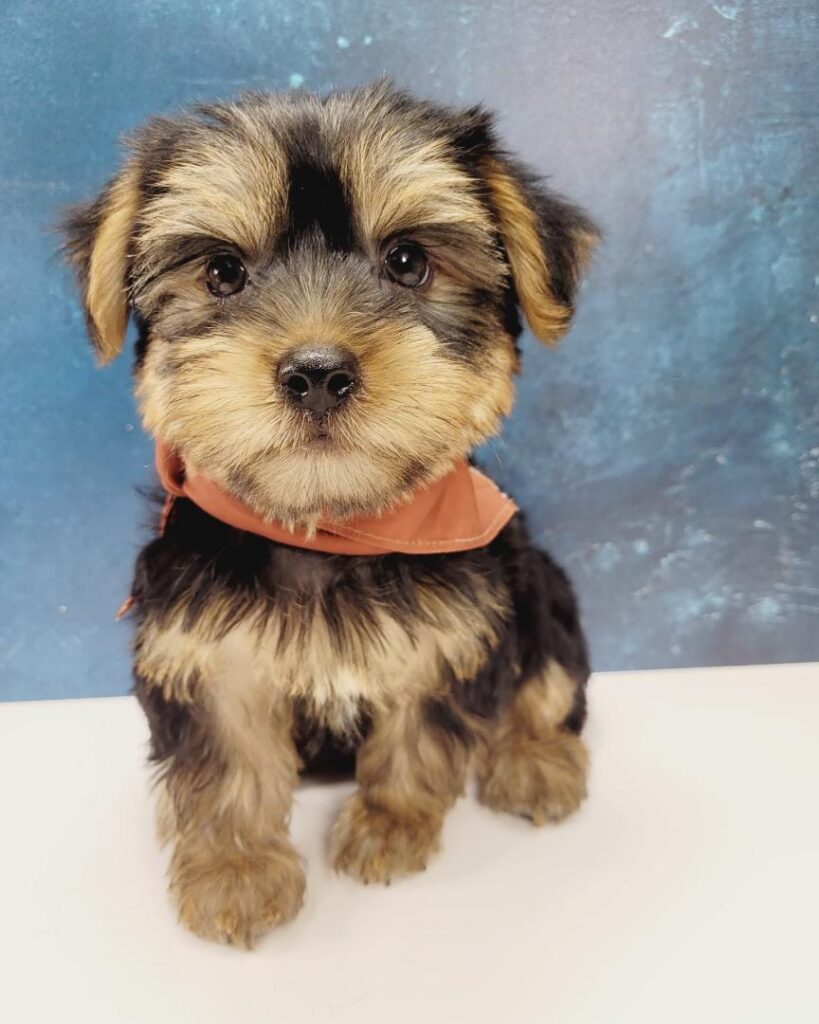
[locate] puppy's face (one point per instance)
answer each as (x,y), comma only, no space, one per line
(326,290)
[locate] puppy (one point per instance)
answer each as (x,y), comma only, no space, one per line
(327,293)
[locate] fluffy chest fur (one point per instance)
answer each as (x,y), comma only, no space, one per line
(236,621)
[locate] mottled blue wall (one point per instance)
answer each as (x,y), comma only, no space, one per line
(667,453)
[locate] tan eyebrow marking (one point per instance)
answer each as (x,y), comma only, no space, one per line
(224,187)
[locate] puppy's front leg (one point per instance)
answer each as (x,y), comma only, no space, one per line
(410,770)
(228,766)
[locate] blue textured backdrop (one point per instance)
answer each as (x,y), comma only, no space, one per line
(667,454)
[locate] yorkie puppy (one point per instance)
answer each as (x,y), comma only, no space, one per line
(327,296)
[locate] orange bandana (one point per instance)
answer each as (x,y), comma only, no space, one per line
(458,512)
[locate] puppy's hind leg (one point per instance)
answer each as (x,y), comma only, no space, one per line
(534,763)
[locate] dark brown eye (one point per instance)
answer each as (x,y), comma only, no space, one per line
(226,274)
(406,263)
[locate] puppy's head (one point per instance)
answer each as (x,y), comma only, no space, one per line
(326,291)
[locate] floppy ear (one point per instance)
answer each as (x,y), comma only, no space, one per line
(548,241)
(97,242)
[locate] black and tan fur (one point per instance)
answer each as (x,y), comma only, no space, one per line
(254,659)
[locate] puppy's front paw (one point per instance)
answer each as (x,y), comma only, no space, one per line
(374,845)
(543,779)
(234,897)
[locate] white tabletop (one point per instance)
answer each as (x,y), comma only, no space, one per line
(686,889)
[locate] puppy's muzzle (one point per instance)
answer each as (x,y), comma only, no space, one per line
(318,378)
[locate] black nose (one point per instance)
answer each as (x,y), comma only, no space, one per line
(318,377)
